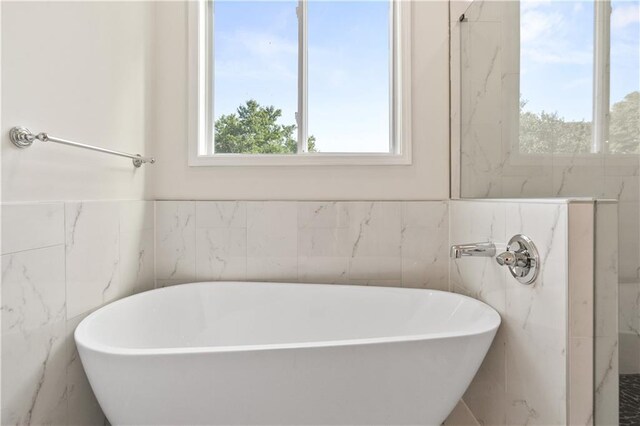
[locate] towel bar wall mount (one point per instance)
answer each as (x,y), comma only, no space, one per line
(23,138)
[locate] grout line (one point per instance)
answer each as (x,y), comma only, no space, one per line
(34,249)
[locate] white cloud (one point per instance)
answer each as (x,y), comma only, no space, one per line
(548,36)
(625,15)
(536,25)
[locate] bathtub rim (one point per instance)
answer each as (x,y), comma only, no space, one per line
(84,341)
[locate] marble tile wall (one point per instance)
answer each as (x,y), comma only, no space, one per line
(485,122)
(368,243)
(60,261)
(539,370)
(607,347)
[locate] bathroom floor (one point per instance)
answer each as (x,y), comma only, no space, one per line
(630,400)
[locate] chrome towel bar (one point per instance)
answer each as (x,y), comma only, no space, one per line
(23,138)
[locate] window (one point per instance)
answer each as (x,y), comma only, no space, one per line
(624,118)
(299,82)
(579,87)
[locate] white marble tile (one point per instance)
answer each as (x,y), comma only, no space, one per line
(515,385)
(457,8)
(168,283)
(577,180)
(221,214)
(581,386)
(536,317)
(324,242)
(376,268)
(425,214)
(484,11)
(136,262)
(323,214)
(136,215)
(536,381)
(479,277)
(581,285)
(323,270)
(137,247)
(510,108)
(483,50)
(375,229)
(272,229)
(83,408)
(606,270)
(92,255)
(477,221)
(628,315)
(375,239)
(627,165)
(34,388)
(221,254)
(425,262)
(175,240)
(547,225)
(613,353)
(629,349)
(622,188)
(532,186)
(629,328)
(482,161)
(31,225)
(510,26)
(33,289)
(283,269)
(425,245)
(377,282)
(606,381)
(486,395)
(629,241)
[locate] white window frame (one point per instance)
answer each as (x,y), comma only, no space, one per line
(200,110)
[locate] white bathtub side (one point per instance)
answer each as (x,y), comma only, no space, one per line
(417,382)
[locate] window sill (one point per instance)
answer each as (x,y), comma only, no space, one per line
(315,159)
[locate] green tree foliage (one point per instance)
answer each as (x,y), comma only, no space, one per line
(547,133)
(253,129)
(624,125)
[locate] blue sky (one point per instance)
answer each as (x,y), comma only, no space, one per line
(557,55)
(256,50)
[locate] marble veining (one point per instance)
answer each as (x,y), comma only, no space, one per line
(88,254)
(512,387)
(175,234)
(365,243)
(92,255)
(33,376)
(33,289)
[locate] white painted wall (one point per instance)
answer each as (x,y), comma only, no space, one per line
(427,178)
(79,71)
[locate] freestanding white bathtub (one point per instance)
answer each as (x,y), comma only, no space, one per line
(284,354)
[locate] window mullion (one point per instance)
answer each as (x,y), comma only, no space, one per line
(301,115)
(601,75)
